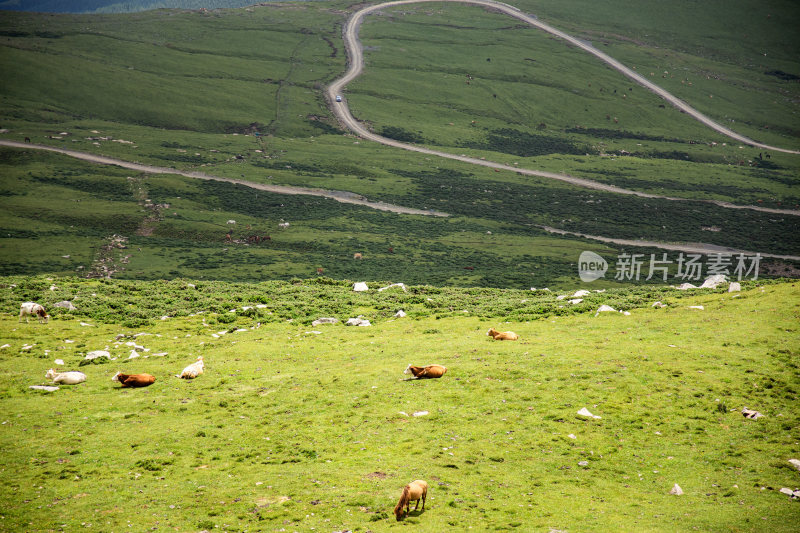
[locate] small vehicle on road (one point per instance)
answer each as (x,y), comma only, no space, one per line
(338,97)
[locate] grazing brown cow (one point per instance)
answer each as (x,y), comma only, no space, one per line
(134,380)
(502,335)
(430,371)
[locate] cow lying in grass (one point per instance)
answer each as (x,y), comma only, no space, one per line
(502,335)
(134,380)
(66,378)
(28,309)
(193,370)
(430,371)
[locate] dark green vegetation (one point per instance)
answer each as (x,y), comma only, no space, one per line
(290,429)
(238,93)
(114,6)
(134,303)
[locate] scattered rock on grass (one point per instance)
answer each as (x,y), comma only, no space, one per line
(400,314)
(325,320)
(735,286)
(401,285)
(360,286)
(749,413)
(96,356)
(685,286)
(711,282)
(420,413)
(584,413)
(795,463)
(676,490)
(357,322)
(658,305)
(700,307)
(605,309)
(66,304)
(45,388)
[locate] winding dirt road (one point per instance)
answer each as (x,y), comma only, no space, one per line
(356,66)
(344,197)
(694,248)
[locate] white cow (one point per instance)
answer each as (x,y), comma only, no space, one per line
(67,378)
(32,308)
(193,370)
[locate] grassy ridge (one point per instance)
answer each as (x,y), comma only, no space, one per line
(290,429)
(262,70)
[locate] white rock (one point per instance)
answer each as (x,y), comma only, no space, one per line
(576,301)
(46,388)
(325,320)
(96,354)
(3,347)
(581,293)
(561,297)
(696,307)
(604,309)
(85,324)
(684,286)
(400,314)
(676,490)
(626,313)
(572,436)
(59,362)
(403,413)
(402,286)
(357,322)
(749,413)
(735,286)
(134,354)
(420,413)
(788,492)
(360,286)
(795,463)
(66,305)
(159,354)
(659,305)
(313,332)
(712,281)
(584,412)
(583,463)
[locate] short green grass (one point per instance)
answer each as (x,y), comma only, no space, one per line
(289,429)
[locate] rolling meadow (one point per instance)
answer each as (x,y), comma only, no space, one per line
(302,427)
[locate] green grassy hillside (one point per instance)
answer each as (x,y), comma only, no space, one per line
(297,427)
(190,90)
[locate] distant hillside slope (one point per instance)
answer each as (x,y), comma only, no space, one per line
(111,6)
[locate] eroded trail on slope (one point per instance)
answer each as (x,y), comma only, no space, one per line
(356,67)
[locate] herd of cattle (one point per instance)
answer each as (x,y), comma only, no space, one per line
(414,491)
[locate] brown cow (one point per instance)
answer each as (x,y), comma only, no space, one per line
(502,335)
(134,380)
(430,371)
